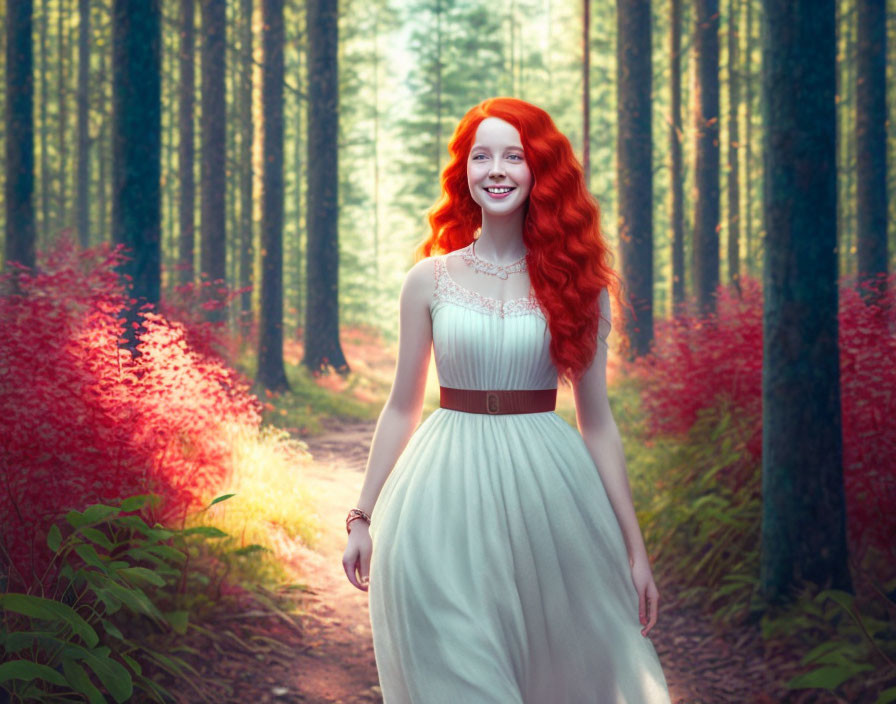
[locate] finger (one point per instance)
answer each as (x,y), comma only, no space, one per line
(350,572)
(645,617)
(362,575)
(653,601)
(641,607)
(364,570)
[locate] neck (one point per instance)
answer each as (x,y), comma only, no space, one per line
(501,238)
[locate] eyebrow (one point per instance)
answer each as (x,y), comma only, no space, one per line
(482,146)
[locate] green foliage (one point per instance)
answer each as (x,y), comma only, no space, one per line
(458,62)
(308,405)
(699,502)
(853,651)
(111,577)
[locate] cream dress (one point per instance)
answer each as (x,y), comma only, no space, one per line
(499,574)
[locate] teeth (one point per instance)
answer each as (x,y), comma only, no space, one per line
(498,189)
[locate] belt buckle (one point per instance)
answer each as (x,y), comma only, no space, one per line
(492,402)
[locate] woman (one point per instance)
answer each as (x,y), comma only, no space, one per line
(502,554)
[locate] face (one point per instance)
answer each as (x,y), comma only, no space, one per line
(497,173)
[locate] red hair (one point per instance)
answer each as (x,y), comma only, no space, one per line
(568,256)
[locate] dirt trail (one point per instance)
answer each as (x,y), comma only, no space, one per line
(338,665)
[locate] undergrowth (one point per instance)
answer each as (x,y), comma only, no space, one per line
(692,412)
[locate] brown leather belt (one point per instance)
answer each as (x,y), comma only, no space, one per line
(499,401)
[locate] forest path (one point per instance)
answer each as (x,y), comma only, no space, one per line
(701,666)
(337,664)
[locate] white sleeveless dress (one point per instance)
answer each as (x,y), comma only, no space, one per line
(499,574)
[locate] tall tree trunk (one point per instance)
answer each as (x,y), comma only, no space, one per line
(45,177)
(871,143)
(322,345)
(104,150)
(247,254)
(586,91)
(676,134)
(136,142)
(19,134)
(271,373)
(706,169)
(83,205)
(62,102)
(187,142)
(733,150)
(299,146)
(170,231)
(748,157)
(635,170)
(847,230)
(214,144)
(804,514)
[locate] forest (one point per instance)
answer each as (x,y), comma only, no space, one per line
(209,210)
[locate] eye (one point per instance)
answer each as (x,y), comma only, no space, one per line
(476,156)
(518,157)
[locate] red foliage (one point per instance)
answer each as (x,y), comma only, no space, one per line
(697,364)
(84,421)
(694,362)
(189,305)
(868,401)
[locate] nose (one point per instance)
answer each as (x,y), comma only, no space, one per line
(497,169)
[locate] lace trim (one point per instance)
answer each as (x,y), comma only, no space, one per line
(447,289)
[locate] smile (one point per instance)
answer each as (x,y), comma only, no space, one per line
(498,191)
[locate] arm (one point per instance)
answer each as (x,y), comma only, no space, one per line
(601,436)
(403,409)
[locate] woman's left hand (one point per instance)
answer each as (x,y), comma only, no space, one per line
(648,595)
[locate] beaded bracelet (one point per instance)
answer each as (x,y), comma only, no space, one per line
(354,514)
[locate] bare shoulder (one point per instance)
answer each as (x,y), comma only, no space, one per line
(419,283)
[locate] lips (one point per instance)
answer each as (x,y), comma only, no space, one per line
(498,192)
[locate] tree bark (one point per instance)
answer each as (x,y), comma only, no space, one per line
(748,156)
(62,104)
(706,169)
(83,205)
(676,133)
(247,253)
(136,142)
(733,151)
(634,167)
(45,176)
(322,347)
(804,513)
(187,144)
(19,134)
(271,373)
(871,145)
(214,143)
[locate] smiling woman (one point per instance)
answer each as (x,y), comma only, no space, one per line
(499,546)
(497,173)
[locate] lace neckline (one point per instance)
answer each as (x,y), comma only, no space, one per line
(449,289)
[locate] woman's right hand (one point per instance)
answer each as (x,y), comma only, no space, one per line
(356,559)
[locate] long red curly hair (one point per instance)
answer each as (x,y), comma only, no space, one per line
(568,257)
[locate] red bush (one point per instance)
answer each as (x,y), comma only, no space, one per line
(868,401)
(698,364)
(84,421)
(694,362)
